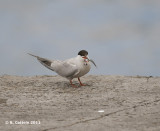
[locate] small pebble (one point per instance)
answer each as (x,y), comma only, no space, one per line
(101,111)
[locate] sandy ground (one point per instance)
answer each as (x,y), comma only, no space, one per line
(48,103)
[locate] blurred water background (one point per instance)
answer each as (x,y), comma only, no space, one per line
(122,36)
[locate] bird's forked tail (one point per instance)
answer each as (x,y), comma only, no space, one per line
(47,63)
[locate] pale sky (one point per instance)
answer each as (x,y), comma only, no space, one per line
(122,36)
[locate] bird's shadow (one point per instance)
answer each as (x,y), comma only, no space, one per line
(65,84)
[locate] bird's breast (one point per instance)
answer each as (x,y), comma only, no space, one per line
(84,68)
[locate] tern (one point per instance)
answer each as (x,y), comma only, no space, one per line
(70,68)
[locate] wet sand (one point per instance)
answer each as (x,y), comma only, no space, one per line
(49,103)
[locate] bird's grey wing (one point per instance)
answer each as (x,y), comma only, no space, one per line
(47,63)
(64,68)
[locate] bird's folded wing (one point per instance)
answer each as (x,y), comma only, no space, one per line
(64,68)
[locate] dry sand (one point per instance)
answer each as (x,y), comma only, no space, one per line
(129,103)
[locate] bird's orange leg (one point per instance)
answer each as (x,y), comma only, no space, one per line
(81,82)
(73,84)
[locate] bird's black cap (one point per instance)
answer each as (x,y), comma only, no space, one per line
(83,53)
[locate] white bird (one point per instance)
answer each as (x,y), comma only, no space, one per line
(70,68)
